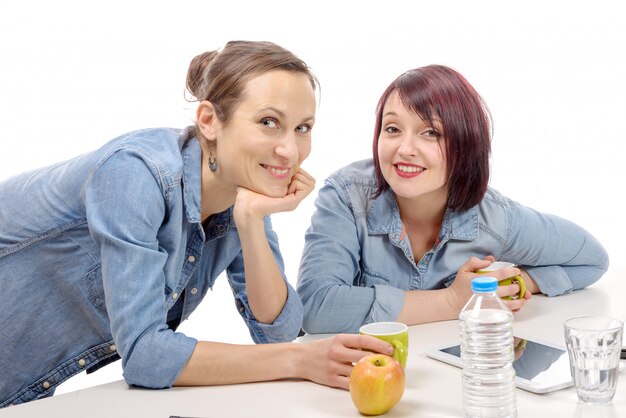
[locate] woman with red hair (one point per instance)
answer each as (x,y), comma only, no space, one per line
(399,237)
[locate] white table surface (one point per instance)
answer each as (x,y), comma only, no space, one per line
(433,388)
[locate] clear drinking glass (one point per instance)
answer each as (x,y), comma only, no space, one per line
(594,344)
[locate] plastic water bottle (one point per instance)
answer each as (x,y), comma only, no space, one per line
(487,353)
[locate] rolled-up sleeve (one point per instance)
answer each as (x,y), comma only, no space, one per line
(125,208)
(328,279)
(288,323)
(158,358)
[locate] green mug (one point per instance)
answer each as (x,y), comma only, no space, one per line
(498,265)
(395,333)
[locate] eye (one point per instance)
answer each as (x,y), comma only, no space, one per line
(432,133)
(269,122)
(304,128)
(392,130)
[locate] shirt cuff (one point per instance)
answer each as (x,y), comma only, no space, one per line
(285,327)
(552,280)
(158,358)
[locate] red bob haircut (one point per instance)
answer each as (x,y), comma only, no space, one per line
(436,92)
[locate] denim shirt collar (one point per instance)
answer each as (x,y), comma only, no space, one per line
(383,217)
(192,195)
(192,179)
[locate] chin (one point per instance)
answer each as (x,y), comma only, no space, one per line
(276,191)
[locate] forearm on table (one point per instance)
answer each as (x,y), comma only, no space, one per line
(423,306)
(220,364)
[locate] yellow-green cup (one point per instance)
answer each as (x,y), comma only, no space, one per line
(498,265)
(395,333)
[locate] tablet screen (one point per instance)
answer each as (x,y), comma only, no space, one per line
(535,362)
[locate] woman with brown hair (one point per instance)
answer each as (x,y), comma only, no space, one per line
(102,256)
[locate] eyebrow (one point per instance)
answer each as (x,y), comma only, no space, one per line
(273,109)
(436,119)
(282,115)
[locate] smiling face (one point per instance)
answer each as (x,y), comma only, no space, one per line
(411,154)
(268,135)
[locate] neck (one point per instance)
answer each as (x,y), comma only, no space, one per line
(422,218)
(217,194)
(426,211)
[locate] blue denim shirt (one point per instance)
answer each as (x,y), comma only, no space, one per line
(94,251)
(357,264)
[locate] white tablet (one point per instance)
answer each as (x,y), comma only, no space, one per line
(539,367)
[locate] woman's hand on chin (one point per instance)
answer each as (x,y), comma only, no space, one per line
(252,205)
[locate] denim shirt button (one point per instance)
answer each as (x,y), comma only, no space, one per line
(46,385)
(191,258)
(113,347)
(174,295)
(82,362)
(221,228)
(194,291)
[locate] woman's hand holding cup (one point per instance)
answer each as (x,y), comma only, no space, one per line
(513,276)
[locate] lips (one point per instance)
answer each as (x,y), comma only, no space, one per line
(406,170)
(276,171)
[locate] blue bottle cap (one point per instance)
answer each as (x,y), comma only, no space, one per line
(484,284)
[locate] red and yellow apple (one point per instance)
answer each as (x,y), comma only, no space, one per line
(376,384)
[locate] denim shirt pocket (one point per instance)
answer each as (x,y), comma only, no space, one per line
(96,288)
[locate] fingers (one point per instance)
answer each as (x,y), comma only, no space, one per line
(503,273)
(508,290)
(350,348)
(347,349)
(302,183)
(475,263)
(343,381)
(292,187)
(366,342)
(516,304)
(341,352)
(306,176)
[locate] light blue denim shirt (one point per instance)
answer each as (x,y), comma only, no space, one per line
(356,264)
(95,251)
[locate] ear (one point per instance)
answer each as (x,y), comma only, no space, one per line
(207,119)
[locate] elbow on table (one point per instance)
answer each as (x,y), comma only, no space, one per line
(590,273)
(314,321)
(156,363)
(321,320)
(147,383)
(328,312)
(599,270)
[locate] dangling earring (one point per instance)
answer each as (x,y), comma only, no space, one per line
(212,150)
(212,163)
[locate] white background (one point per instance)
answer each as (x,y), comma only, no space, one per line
(76,74)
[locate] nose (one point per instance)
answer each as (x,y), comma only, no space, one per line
(287,149)
(408,146)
